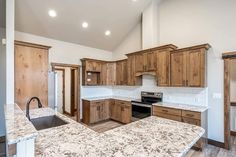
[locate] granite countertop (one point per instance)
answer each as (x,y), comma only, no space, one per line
(182,106)
(18,127)
(151,136)
(108,97)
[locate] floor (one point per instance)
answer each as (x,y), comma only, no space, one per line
(209,151)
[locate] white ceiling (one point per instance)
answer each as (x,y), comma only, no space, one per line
(119,16)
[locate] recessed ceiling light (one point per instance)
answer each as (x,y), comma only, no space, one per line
(108,33)
(85,25)
(52,13)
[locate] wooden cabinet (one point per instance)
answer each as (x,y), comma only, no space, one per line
(95,111)
(190,117)
(111,73)
(93,66)
(133,80)
(104,74)
(100,110)
(163,68)
(188,67)
(178,69)
(145,61)
(150,61)
(121,72)
(121,111)
(31,73)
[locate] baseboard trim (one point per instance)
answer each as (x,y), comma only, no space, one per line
(216,143)
(233,133)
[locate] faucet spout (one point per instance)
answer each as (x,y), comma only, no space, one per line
(28,105)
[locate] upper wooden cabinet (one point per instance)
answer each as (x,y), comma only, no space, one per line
(31,73)
(188,66)
(93,66)
(145,61)
(163,68)
(133,80)
(121,72)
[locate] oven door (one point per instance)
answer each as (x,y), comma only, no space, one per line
(140,110)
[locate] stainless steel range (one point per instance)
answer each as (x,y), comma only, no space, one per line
(142,108)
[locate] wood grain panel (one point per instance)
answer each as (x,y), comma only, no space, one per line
(166,110)
(163,68)
(190,114)
(31,75)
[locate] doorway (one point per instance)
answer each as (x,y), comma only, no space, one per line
(68,90)
(229,61)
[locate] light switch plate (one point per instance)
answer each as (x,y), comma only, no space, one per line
(4,41)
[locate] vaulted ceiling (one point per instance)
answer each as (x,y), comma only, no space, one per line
(118,16)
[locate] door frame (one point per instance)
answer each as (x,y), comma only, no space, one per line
(75,67)
(63,87)
(227,57)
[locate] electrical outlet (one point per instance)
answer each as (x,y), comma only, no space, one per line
(217,96)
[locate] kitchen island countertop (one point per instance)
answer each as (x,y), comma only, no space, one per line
(152,136)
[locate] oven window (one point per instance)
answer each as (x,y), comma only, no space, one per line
(140,111)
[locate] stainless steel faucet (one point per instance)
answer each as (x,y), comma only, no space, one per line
(28,104)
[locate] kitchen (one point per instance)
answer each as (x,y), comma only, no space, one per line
(176,73)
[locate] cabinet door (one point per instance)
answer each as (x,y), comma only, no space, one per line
(106,110)
(97,66)
(124,79)
(104,74)
(196,69)
(89,66)
(150,61)
(178,69)
(111,73)
(139,62)
(163,68)
(95,115)
(126,114)
(119,73)
(115,111)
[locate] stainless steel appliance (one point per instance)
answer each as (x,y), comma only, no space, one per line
(142,108)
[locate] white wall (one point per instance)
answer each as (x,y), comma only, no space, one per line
(233,94)
(10,21)
(190,22)
(150,25)
(131,43)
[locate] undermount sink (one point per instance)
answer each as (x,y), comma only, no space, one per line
(47,122)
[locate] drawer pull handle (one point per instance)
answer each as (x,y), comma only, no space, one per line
(164,110)
(189,115)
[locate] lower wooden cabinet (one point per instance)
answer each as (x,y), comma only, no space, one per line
(121,111)
(190,117)
(100,110)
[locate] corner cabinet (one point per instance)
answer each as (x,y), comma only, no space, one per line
(188,67)
(100,110)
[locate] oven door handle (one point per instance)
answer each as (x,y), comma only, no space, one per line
(143,105)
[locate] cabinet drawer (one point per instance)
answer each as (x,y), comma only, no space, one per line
(166,110)
(167,116)
(192,121)
(120,102)
(192,115)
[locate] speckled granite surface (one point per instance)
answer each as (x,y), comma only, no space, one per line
(109,97)
(182,106)
(18,127)
(149,137)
